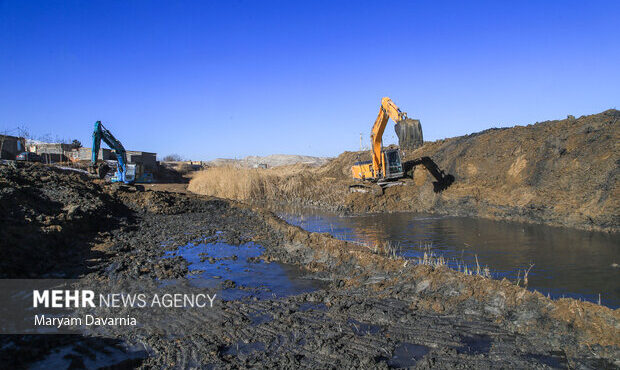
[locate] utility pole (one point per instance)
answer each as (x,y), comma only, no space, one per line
(2,139)
(361,148)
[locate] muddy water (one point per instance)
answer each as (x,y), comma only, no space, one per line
(567,262)
(240,272)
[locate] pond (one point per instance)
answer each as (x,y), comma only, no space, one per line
(566,262)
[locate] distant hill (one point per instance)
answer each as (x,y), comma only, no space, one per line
(273,160)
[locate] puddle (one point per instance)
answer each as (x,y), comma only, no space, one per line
(311,306)
(260,317)
(475,344)
(407,354)
(92,357)
(240,273)
(556,360)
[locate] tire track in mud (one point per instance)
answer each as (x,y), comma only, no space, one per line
(326,338)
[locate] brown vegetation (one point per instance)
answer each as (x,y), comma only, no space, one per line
(292,184)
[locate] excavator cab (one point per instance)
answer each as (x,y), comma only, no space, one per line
(392,163)
(129,177)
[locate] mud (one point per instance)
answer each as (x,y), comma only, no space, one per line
(374,311)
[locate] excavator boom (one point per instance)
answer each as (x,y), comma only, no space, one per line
(387,110)
(124,173)
(385,164)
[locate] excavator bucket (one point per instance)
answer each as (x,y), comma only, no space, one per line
(442,179)
(100,170)
(409,132)
(443,183)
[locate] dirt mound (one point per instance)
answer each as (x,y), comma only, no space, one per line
(48,215)
(557,172)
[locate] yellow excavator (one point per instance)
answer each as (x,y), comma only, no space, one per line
(386,164)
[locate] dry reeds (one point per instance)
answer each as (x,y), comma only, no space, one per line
(232,183)
(282,184)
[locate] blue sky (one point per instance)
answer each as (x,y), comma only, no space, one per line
(235,78)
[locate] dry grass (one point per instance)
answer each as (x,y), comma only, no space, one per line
(294,184)
(525,274)
(431,258)
(388,249)
(230,182)
(285,183)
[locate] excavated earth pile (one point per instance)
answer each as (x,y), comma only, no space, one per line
(372,310)
(557,172)
(563,173)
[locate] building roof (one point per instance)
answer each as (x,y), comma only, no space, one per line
(139,152)
(10,137)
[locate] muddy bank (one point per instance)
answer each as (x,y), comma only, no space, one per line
(562,173)
(375,311)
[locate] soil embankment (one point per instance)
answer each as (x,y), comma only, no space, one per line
(377,311)
(562,172)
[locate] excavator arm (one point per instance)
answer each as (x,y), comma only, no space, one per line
(387,110)
(442,180)
(101,133)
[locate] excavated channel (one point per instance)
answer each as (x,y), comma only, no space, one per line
(566,262)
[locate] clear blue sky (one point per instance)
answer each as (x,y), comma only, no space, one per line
(235,78)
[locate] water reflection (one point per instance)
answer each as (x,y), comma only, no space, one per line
(566,262)
(240,273)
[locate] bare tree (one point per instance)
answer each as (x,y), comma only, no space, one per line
(173,158)
(23,131)
(47,138)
